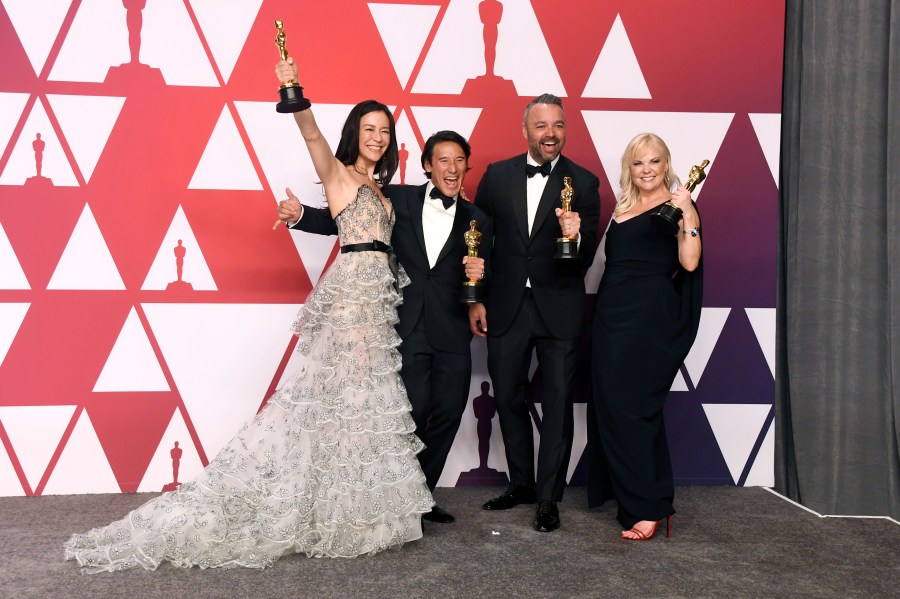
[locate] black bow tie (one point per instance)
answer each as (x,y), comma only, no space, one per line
(544,169)
(436,194)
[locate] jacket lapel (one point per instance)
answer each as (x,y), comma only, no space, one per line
(550,198)
(460,224)
(519,195)
(416,212)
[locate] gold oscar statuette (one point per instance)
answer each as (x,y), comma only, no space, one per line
(668,215)
(291,93)
(567,245)
(473,289)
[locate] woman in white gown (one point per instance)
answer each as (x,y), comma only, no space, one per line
(328,467)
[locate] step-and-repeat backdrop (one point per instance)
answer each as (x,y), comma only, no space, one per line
(145,299)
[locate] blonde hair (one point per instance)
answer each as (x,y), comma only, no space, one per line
(629,194)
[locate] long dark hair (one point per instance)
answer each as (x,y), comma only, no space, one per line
(348,149)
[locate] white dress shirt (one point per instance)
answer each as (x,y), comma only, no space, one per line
(534,187)
(436,224)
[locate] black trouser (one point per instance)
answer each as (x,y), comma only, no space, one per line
(438,386)
(509,359)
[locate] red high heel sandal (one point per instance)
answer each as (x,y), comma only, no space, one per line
(641,536)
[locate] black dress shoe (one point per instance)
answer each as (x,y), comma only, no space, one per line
(438,514)
(513,496)
(546,518)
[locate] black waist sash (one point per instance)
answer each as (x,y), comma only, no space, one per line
(378,246)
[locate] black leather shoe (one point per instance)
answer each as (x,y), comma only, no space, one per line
(546,518)
(513,496)
(438,514)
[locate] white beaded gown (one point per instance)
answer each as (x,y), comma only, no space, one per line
(328,468)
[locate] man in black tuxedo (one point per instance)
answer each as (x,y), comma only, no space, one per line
(536,302)
(434,324)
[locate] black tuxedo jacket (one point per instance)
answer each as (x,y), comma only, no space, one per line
(433,292)
(517,255)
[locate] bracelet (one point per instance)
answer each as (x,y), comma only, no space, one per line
(693,232)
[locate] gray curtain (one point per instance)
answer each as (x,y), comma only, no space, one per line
(838,333)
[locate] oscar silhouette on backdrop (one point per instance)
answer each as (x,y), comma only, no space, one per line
(485,409)
(491,91)
(179,284)
(38,180)
(134,19)
(403,155)
(490,85)
(490,12)
(176,453)
(38,144)
(134,71)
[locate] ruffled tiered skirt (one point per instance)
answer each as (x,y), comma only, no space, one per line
(328,468)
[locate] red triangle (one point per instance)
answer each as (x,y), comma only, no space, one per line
(130,426)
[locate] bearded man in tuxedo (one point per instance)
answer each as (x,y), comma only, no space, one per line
(536,302)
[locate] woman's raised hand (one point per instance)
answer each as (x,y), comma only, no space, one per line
(286,70)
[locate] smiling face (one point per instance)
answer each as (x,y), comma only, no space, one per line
(374,136)
(447,167)
(545,130)
(648,169)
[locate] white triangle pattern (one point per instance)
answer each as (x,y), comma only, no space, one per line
(170,42)
(691,137)
(414,174)
(86,262)
(404,28)
(164,269)
(159,472)
(226,25)
(86,437)
(314,251)
(763,322)
(432,119)
(37,24)
(736,428)
(97,40)
(86,122)
(768,132)
(35,432)
(285,161)
(132,365)
(11,107)
(22,162)
(762,473)
(9,480)
(457,52)
(83,466)
(241,346)
(712,321)
(11,318)
(225,163)
(617,73)
(11,274)
(679,384)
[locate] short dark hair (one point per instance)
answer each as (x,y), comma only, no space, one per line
(543,99)
(348,148)
(439,137)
